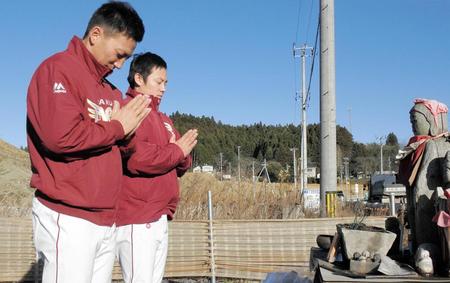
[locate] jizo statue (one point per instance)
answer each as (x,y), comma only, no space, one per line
(428,118)
(422,168)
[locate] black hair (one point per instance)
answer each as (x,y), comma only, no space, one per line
(117,17)
(143,64)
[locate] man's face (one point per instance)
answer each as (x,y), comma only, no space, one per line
(111,49)
(155,84)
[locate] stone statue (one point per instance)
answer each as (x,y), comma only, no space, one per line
(421,167)
(428,118)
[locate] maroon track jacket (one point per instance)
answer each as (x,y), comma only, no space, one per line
(75,162)
(150,183)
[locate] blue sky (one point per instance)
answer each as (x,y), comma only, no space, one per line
(233,59)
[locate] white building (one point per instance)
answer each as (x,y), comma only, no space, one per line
(208,169)
(311,172)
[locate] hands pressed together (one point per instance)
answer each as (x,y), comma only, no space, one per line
(187,142)
(132,114)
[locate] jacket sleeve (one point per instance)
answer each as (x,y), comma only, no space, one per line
(148,158)
(184,166)
(58,116)
(126,147)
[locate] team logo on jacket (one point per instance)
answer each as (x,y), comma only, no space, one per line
(59,88)
(97,112)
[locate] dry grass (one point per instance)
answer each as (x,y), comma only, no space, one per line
(261,200)
(14,202)
(15,194)
(232,200)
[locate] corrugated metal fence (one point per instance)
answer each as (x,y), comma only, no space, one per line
(242,249)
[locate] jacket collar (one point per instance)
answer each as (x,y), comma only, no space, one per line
(97,70)
(154,103)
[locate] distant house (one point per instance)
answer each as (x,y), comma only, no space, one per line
(203,169)
(311,172)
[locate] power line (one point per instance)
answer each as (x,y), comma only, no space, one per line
(296,96)
(309,21)
(298,19)
(308,96)
(295,76)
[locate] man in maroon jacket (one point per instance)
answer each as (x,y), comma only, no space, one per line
(74,127)
(158,156)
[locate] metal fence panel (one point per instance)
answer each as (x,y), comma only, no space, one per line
(243,249)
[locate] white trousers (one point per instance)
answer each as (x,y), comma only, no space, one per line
(142,251)
(73,249)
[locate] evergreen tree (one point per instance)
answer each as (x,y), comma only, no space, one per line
(274,143)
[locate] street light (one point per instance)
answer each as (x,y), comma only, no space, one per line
(382,140)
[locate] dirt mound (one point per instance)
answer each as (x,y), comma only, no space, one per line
(15,172)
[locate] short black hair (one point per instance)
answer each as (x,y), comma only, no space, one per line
(143,64)
(118,17)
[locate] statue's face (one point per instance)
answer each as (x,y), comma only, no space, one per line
(419,123)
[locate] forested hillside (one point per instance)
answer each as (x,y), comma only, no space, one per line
(273,143)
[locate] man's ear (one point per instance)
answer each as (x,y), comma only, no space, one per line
(138,79)
(95,34)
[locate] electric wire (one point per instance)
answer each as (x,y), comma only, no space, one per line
(308,96)
(298,19)
(309,21)
(296,97)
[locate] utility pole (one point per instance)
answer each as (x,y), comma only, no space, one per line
(194,161)
(253,171)
(264,169)
(389,162)
(267,172)
(295,167)
(253,179)
(221,172)
(328,170)
(346,171)
(303,144)
(382,139)
(341,172)
(239,164)
(350,120)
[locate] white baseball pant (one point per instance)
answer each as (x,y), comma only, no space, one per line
(73,249)
(142,251)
